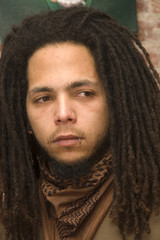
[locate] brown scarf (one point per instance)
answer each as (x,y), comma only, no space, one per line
(74,208)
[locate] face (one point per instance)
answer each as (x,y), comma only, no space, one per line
(66,102)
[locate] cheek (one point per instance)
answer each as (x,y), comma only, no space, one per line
(38,125)
(98,115)
(102,121)
(96,122)
(37,117)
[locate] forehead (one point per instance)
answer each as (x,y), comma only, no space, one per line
(62,51)
(61,63)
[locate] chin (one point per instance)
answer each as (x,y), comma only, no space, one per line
(71,160)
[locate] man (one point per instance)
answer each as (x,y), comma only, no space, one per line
(80,130)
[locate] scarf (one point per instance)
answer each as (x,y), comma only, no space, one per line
(74,208)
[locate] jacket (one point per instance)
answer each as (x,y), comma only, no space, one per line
(109,231)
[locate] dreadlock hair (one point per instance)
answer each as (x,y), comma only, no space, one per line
(131,85)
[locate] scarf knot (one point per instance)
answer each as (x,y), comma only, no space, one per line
(74,199)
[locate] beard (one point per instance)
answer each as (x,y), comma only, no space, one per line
(77,168)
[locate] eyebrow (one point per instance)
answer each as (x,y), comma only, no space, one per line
(81,83)
(72,85)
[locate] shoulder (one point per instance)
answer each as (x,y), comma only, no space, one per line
(111,231)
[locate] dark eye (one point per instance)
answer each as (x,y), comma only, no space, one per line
(86,94)
(43,99)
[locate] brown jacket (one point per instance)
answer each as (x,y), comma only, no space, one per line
(109,231)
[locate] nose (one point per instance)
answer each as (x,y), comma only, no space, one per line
(64,112)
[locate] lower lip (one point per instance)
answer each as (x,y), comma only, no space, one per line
(67,142)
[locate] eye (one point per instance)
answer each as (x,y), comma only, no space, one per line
(86,93)
(43,99)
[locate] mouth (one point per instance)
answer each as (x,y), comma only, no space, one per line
(67,140)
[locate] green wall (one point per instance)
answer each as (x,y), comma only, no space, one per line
(13,11)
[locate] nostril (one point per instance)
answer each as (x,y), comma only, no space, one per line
(64,116)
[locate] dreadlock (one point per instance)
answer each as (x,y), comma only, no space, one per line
(131,85)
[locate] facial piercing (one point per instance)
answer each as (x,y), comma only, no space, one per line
(79,141)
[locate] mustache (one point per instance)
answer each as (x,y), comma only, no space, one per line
(65,130)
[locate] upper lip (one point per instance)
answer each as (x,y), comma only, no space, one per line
(66,137)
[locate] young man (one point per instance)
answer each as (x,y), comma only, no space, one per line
(80,131)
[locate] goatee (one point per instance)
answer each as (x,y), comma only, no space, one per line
(77,168)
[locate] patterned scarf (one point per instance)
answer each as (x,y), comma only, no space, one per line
(75,201)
